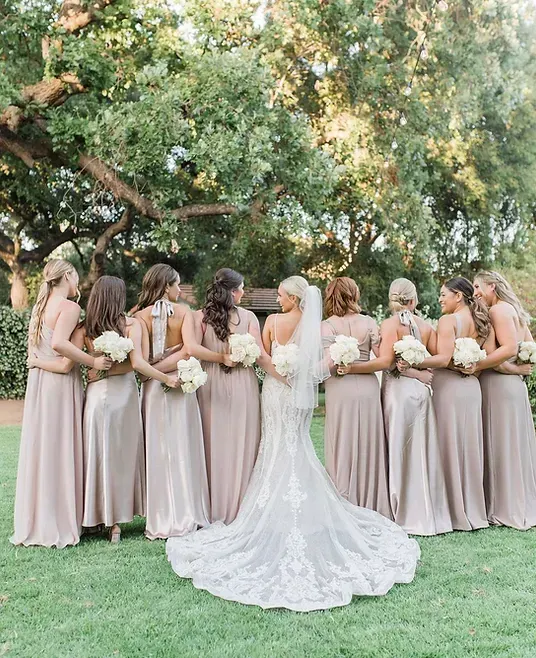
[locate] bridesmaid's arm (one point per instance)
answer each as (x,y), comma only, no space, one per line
(65,325)
(508,368)
(505,336)
(192,335)
(140,364)
(59,366)
(444,343)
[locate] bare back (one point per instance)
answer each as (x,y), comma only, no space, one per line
(280,328)
(174,323)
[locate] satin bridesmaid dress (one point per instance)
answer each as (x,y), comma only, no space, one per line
(177,486)
(457,404)
(114,463)
(230,412)
(354,437)
(48,499)
(417,488)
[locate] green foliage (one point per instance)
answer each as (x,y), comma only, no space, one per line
(13,355)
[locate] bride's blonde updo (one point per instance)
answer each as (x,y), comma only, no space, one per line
(401,293)
(295,286)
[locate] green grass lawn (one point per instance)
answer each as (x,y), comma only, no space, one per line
(474,595)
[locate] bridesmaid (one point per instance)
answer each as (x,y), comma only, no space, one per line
(48,500)
(114,463)
(229,401)
(416,482)
(509,438)
(177,486)
(457,403)
(354,437)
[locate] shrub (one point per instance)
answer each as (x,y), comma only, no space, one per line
(13,352)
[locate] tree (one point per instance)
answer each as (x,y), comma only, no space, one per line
(111,93)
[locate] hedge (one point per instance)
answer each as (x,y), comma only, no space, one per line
(13,351)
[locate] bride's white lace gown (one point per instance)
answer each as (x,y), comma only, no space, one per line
(296,543)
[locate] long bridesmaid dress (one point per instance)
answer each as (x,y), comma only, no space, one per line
(48,500)
(114,465)
(177,486)
(354,436)
(509,451)
(457,404)
(230,412)
(417,489)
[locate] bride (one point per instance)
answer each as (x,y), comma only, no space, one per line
(296,543)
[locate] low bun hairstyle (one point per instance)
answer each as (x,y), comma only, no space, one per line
(479,312)
(342,297)
(219,301)
(401,293)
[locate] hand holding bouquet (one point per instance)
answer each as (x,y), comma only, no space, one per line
(344,351)
(467,353)
(285,359)
(244,349)
(410,350)
(191,375)
(114,346)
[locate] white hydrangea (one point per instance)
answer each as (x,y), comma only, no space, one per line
(285,359)
(244,349)
(345,350)
(191,374)
(411,350)
(467,352)
(111,344)
(527,352)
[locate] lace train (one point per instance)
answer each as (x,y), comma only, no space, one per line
(296,543)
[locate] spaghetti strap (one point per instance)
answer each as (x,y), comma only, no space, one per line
(275,328)
(458,325)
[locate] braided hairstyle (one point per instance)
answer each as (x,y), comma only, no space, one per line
(479,312)
(219,301)
(53,273)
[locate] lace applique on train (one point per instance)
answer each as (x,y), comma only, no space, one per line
(295,543)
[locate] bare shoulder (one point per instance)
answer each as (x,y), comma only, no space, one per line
(502,310)
(67,306)
(143,313)
(270,320)
(390,324)
(446,322)
(180,310)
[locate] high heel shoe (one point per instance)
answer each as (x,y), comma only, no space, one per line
(115,534)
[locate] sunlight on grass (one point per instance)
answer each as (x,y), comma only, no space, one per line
(473,595)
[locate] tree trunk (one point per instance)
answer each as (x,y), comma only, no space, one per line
(19,289)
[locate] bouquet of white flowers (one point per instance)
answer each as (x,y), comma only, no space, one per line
(285,359)
(111,344)
(467,352)
(191,374)
(244,349)
(411,350)
(344,351)
(527,352)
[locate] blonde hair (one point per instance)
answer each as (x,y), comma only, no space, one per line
(53,273)
(342,296)
(505,293)
(401,293)
(296,286)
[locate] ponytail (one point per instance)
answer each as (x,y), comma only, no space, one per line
(53,273)
(219,301)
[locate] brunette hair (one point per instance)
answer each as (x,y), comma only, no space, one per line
(53,273)
(505,293)
(479,312)
(219,301)
(342,296)
(106,307)
(154,284)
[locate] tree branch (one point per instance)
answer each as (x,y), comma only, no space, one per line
(75,15)
(96,268)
